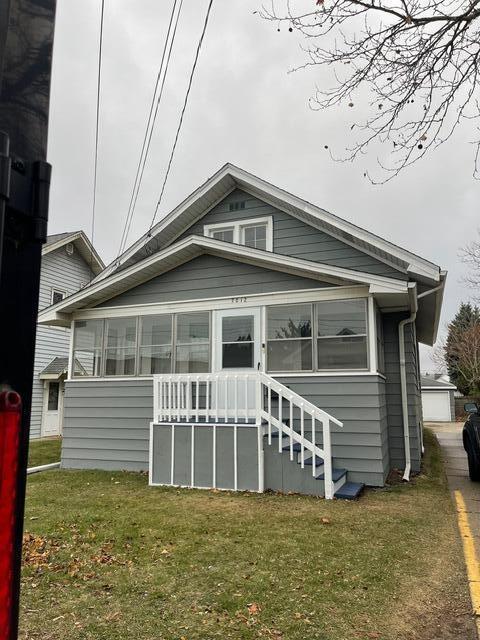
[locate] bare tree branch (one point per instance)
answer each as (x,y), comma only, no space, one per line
(414,62)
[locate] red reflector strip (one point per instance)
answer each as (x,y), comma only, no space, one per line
(10,417)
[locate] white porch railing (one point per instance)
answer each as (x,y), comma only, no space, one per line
(248,397)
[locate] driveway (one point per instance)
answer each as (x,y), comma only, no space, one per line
(466,497)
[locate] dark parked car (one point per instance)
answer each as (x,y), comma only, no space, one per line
(471,440)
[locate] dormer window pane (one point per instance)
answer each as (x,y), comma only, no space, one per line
(256,236)
(224,234)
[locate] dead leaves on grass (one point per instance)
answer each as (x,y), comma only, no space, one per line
(42,554)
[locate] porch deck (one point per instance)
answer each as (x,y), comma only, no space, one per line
(229,431)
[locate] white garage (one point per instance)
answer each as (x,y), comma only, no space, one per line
(438,403)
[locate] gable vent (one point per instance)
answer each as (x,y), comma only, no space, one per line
(235,206)
(69,248)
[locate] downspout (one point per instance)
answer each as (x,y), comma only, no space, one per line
(403,373)
(403,379)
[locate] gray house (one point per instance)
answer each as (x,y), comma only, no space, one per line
(251,341)
(68,264)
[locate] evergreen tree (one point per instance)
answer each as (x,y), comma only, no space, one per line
(466,317)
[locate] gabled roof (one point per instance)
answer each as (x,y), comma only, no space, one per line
(81,243)
(230,177)
(432,383)
(194,246)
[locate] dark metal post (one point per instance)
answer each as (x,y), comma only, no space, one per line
(26,41)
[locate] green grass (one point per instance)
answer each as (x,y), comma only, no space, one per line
(107,557)
(44,451)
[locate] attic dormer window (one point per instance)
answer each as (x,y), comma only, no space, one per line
(255,232)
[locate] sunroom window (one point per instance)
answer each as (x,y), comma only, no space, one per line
(87,347)
(256,233)
(120,346)
(155,350)
(192,353)
(342,334)
(289,337)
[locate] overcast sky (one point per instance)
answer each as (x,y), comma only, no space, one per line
(244,108)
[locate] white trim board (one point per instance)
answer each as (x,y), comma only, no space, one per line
(230,177)
(224,303)
(194,246)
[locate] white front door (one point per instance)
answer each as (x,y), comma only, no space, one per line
(237,350)
(52,408)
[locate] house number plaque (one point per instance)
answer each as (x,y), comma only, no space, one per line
(238,300)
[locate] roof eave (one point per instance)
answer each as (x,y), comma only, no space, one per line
(193,246)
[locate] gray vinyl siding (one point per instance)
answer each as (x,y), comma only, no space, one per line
(66,273)
(106,423)
(360,446)
(211,277)
(393,392)
(292,237)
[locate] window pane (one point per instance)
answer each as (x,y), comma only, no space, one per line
(87,363)
(341,318)
(342,353)
(226,235)
(237,355)
(193,327)
(155,360)
(237,328)
(88,334)
(256,236)
(192,358)
(289,321)
(289,355)
(120,362)
(156,330)
(121,332)
(53,389)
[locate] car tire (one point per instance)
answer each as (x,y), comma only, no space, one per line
(473,465)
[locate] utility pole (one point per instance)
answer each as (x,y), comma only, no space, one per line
(26,42)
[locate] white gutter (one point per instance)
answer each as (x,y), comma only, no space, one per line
(403,374)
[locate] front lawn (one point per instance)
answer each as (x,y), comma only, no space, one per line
(44,451)
(107,557)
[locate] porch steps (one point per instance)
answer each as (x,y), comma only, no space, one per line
(344,490)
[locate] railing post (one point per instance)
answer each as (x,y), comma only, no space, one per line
(258,420)
(327,462)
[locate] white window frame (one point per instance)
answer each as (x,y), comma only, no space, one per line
(57,290)
(238,227)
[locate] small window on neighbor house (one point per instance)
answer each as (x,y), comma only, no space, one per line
(57,295)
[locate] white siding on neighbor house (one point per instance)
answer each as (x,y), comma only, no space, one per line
(68,274)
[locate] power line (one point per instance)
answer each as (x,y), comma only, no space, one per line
(97,120)
(150,125)
(192,73)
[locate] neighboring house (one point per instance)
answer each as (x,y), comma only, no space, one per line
(68,264)
(248,332)
(438,399)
